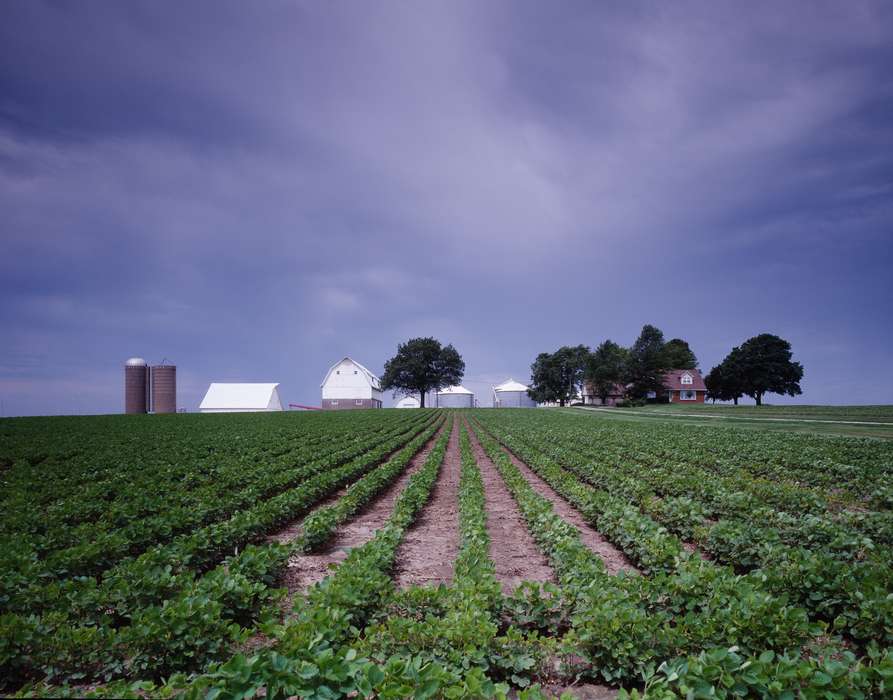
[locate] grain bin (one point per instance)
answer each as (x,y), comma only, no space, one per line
(512,394)
(455,397)
(164,388)
(136,385)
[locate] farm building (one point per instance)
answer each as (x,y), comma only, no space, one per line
(229,397)
(512,394)
(349,385)
(455,397)
(590,399)
(685,385)
(408,402)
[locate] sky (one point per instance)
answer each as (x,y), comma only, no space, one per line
(254,190)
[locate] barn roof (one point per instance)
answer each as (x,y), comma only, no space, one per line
(373,379)
(510,385)
(458,389)
(238,395)
(673,380)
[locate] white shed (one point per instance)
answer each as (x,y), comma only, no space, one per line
(455,397)
(512,394)
(229,397)
(348,384)
(408,402)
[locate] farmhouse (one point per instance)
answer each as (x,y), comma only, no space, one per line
(229,397)
(685,385)
(512,394)
(349,385)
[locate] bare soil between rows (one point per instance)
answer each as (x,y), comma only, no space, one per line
(513,551)
(429,549)
(614,559)
(305,570)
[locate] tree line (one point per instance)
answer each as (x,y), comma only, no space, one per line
(760,365)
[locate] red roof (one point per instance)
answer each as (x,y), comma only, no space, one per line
(673,380)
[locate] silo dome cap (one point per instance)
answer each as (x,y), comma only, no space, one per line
(136,362)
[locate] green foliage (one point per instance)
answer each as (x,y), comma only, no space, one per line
(422,365)
(606,369)
(558,377)
(678,355)
(646,363)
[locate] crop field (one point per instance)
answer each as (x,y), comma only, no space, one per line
(442,553)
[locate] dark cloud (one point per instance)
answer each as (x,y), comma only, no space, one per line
(256,190)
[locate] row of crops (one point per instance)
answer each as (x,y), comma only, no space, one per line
(135,558)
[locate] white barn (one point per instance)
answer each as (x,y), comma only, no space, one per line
(235,397)
(408,402)
(348,384)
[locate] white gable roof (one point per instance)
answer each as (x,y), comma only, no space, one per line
(510,385)
(240,395)
(373,380)
(459,389)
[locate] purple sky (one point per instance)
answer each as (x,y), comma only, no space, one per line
(254,190)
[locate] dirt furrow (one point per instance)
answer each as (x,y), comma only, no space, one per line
(615,560)
(512,549)
(429,550)
(304,570)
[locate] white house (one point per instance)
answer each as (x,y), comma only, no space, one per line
(227,397)
(348,384)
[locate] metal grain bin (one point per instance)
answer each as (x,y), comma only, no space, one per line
(455,397)
(512,394)
(164,389)
(136,385)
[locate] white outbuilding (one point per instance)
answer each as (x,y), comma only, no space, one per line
(455,397)
(408,402)
(348,384)
(236,397)
(512,394)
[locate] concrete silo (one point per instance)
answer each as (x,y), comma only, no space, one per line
(455,397)
(164,388)
(136,386)
(512,394)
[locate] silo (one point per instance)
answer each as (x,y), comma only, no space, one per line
(136,385)
(512,394)
(455,397)
(164,389)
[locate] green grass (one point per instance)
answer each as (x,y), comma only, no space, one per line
(832,420)
(882,414)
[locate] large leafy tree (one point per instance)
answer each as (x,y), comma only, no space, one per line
(764,365)
(724,381)
(422,365)
(678,355)
(558,376)
(606,368)
(646,363)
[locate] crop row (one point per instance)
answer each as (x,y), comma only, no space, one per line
(852,595)
(156,614)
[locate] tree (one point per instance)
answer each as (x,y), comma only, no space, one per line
(724,381)
(678,355)
(422,365)
(606,369)
(764,366)
(558,376)
(646,364)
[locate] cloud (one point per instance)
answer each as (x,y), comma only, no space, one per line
(258,190)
